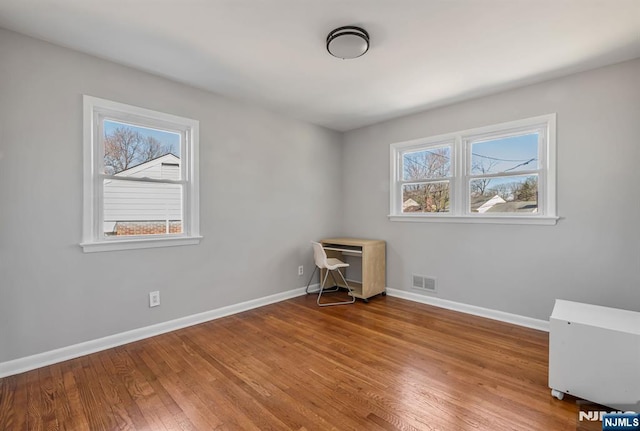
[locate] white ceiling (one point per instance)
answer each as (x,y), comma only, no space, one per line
(424,53)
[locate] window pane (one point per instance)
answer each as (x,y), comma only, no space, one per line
(505,194)
(140,152)
(510,154)
(426,198)
(427,164)
(141,208)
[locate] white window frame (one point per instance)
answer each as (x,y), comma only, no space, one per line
(95,110)
(459,208)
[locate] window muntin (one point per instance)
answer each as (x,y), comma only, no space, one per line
(503,173)
(426,179)
(141,183)
(498,173)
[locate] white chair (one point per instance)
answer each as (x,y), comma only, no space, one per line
(331,265)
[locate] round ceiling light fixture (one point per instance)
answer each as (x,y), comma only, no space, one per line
(348,42)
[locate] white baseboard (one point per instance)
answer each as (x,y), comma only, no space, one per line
(32,362)
(516,319)
(28,363)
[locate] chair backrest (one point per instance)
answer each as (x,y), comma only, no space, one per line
(319,255)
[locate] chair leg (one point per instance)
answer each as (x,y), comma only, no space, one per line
(315,268)
(333,277)
(322,287)
(307,291)
(353,298)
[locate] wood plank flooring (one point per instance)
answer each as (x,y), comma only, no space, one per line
(387,365)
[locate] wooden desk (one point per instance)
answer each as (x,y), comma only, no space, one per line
(373,255)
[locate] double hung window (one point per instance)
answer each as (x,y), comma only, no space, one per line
(141,180)
(503,173)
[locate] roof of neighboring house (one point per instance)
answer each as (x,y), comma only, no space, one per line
(166,159)
(498,205)
(490,203)
(409,203)
(514,207)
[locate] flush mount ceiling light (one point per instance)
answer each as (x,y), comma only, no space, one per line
(348,42)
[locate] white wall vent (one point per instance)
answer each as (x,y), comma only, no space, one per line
(422,282)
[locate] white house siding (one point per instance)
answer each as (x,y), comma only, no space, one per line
(170,171)
(138,201)
(141,201)
(153,171)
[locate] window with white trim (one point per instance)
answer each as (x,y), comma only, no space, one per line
(140,178)
(504,173)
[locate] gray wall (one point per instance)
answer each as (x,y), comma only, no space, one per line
(591,255)
(267,186)
(270,184)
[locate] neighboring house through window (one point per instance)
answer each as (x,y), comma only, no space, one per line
(503,173)
(141,179)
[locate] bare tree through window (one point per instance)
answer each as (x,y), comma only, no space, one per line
(126,147)
(431,191)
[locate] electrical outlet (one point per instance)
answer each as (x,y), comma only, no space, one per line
(154,299)
(301,270)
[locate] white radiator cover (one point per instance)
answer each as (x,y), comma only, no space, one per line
(594,354)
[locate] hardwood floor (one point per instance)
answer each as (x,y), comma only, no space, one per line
(387,365)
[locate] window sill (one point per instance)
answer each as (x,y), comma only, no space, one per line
(433,218)
(132,244)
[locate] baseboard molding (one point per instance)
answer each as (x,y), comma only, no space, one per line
(516,319)
(28,363)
